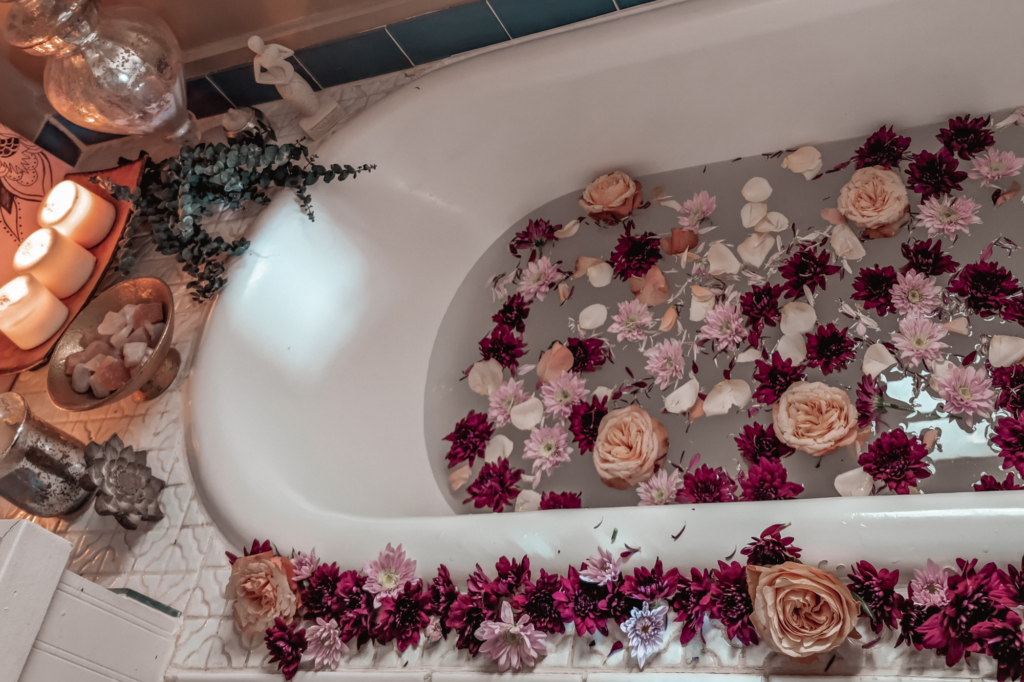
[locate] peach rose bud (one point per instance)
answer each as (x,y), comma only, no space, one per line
(611,197)
(815,418)
(628,446)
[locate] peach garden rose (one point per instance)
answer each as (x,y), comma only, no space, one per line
(629,443)
(815,418)
(263,587)
(875,199)
(611,197)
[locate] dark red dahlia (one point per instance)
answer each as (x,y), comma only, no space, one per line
(730,602)
(588,354)
(773,379)
(580,602)
(935,174)
(806,267)
(535,236)
(883,148)
(692,602)
(877,589)
(988,483)
(1010,382)
(560,501)
(912,617)
(443,594)
(469,439)
(319,594)
(757,442)
(584,420)
(873,288)
(928,258)
(495,486)
(770,548)
(651,585)
(257,548)
(1009,438)
(538,602)
(761,306)
(504,346)
(985,287)
(353,606)
(400,618)
(1003,640)
(766,480)
(967,136)
(870,401)
(705,484)
(634,255)
(513,313)
(830,348)
(467,613)
(286,646)
(897,460)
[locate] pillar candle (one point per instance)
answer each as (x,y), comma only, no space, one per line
(29,312)
(77,213)
(59,263)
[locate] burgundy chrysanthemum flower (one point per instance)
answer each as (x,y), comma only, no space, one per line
(580,602)
(935,174)
(730,602)
(353,607)
(766,480)
(535,236)
(912,617)
(897,460)
(495,486)
(873,287)
(705,484)
(443,594)
(504,346)
(985,287)
(634,255)
(561,500)
(877,589)
(1010,382)
(870,401)
(883,148)
(584,421)
(286,646)
(588,354)
(617,605)
(513,576)
(538,602)
(926,257)
(761,306)
(1009,439)
(988,483)
(469,439)
(966,136)
(1003,640)
(806,267)
(1014,577)
(1013,311)
(257,548)
(400,618)
(513,313)
(692,602)
(467,613)
(975,597)
(319,594)
(773,379)
(651,585)
(757,442)
(830,348)
(770,548)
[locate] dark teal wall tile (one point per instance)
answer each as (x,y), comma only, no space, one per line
(351,59)
(56,141)
(85,135)
(625,4)
(523,17)
(451,31)
(204,99)
(239,84)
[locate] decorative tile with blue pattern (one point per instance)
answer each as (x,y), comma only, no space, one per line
(352,59)
(441,34)
(204,99)
(85,135)
(239,84)
(523,17)
(57,142)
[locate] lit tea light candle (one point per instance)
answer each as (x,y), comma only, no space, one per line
(61,265)
(29,312)
(77,213)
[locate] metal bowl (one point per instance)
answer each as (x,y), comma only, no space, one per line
(154,375)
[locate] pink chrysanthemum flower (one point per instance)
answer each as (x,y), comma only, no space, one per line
(562,394)
(632,322)
(696,210)
(724,325)
(325,645)
(661,488)
(602,568)
(512,644)
(947,215)
(919,340)
(967,391)
(304,565)
(388,573)
(507,396)
(646,631)
(930,586)
(537,279)
(992,166)
(915,294)
(548,447)
(665,362)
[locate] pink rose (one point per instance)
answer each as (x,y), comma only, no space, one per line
(611,197)
(800,611)
(815,418)
(629,443)
(263,586)
(875,199)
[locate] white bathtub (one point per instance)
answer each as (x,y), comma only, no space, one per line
(307,394)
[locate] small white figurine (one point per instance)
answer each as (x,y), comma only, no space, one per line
(271,67)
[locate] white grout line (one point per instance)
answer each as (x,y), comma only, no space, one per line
(500,22)
(308,72)
(399,45)
(616,3)
(217,88)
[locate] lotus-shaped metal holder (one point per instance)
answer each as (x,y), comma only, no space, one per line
(126,488)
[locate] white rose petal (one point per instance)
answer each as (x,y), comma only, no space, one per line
(772,222)
(485,377)
(752,214)
(721,260)
(855,483)
(527,414)
(593,316)
(877,359)
(798,318)
(683,398)
(793,347)
(958,325)
(569,230)
(1004,351)
(756,190)
(749,355)
(602,392)
(845,243)
(726,395)
(527,501)
(804,160)
(940,370)
(600,275)
(755,249)
(499,447)
(702,300)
